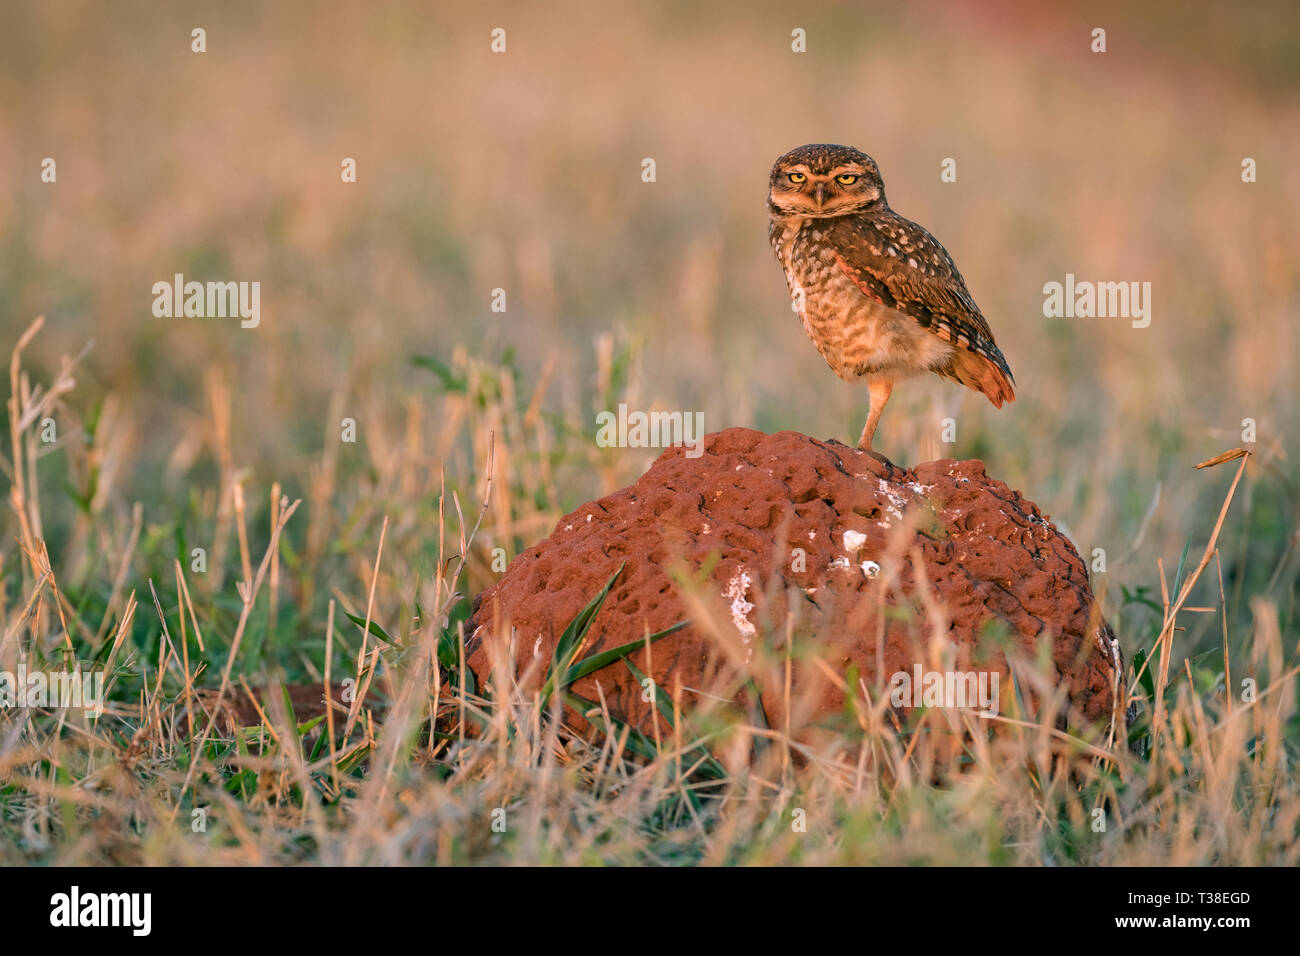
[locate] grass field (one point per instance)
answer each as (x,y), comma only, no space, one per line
(522,171)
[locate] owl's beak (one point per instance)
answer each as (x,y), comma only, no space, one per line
(819,193)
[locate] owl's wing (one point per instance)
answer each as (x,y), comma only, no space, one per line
(898,263)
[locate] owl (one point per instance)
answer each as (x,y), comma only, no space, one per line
(877,294)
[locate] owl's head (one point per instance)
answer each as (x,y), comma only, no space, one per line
(821,181)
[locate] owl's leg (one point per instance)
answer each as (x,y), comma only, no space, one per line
(879,389)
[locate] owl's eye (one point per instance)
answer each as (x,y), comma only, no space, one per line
(846,180)
(797,177)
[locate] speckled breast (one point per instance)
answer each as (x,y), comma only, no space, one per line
(855,334)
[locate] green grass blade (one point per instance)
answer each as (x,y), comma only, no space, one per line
(375,629)
(662,702)
(596,661)
(571,640)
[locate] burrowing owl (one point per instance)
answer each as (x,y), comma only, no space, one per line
(878,295)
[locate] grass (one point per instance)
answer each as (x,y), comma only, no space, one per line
(325,561)
(421,768)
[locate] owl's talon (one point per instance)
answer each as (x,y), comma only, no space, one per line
(878,456)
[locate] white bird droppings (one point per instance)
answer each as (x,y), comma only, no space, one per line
(740,608)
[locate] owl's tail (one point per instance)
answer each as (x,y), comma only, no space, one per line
(983,375)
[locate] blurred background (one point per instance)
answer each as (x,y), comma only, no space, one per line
(522,171)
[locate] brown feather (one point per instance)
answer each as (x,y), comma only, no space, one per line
(977,372)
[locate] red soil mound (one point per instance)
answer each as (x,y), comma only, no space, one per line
(868,565)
